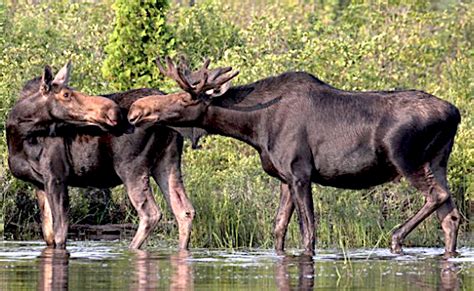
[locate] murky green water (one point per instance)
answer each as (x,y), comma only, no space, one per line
(109,265)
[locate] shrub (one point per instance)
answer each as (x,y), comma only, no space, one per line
(139,36)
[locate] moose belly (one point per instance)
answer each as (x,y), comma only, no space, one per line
(92,166)
(358,168)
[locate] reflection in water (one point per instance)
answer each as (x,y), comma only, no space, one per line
(182,272)
(99,266)
(53,269)
(449,276)
(146,271)
(305,265)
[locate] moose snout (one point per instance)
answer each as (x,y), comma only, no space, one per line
(112,115)
(134,116)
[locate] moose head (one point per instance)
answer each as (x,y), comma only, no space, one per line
(182,108)
(65,104)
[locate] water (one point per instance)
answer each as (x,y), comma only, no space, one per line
(109,265)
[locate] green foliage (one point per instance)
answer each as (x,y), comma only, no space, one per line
(139,36)
(202,31)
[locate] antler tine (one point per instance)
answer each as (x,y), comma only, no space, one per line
(176,75)
(160,67)
(184,65)
(207,61)
(202,83)
(221,78)
(218,72)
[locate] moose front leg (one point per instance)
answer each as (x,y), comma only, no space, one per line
(283,216)
(58,201)
(167,173)
(46,217)
(301,195)
(55,170)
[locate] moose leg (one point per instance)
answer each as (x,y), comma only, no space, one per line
(138,190)
(449,217)
(447,213)
(435,194)
(167,174)
(283,216)
(58,199)
(55,171)
(46,217)
(301,194)
(172,187)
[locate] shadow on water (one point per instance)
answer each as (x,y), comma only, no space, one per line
(105,266)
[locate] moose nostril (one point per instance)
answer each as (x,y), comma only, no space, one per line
(134,116)
(112,116)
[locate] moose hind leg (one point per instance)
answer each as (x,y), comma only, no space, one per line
(448,214)
(435,196)
(450,218)
(283,216)
(142,199)
(171,185)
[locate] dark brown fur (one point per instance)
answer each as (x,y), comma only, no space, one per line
(308,131)
(52,155)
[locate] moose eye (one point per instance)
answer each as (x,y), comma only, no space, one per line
(66,95)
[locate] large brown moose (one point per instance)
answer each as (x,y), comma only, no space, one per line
(308,131)
(52,145)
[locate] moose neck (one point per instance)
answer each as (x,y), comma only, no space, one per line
(228,121)
(30,116)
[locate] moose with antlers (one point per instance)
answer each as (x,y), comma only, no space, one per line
(308,131)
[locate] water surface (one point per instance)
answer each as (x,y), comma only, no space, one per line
(110,265)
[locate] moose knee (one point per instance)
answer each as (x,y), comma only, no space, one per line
(152,219)
(279,231)
(438,196)
(453,219)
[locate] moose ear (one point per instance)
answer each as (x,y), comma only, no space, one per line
(46,80)
(62,77)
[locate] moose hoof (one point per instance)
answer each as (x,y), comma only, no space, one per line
(396,247)
(308,253)
(280,252)
(448,255)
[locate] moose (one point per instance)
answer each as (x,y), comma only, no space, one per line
(308,131)
(58,137)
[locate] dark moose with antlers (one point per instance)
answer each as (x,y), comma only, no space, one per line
(308,131)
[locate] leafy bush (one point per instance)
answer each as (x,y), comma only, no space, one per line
(139,36)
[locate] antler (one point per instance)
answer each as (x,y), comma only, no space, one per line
(175,74)
(198,81)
